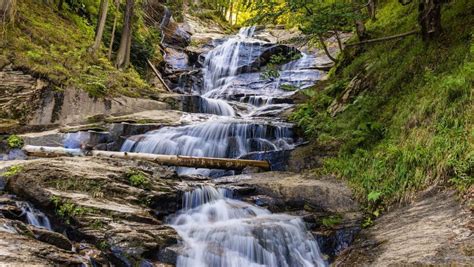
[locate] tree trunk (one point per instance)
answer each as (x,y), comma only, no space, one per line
(7,10)
(112,36)
(60,4)
(169,160)
(371,9)
(339,43)
(104,6)
(429,18)
(123,55)
(231,7)
(325,48)
(359,23)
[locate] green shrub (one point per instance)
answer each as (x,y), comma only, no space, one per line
(138,179)
(14,141)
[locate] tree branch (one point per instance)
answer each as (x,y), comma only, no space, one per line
(384,38)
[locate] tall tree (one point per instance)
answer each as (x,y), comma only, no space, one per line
(429,17)
(359,23)
(104,6)
(123,54)
(112,35)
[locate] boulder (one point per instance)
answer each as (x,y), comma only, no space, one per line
(96,201)
(434,230)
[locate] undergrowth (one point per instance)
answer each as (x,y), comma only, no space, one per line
(412,126)
(54,45)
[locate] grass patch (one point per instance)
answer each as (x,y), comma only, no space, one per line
(67,210)
(54,45)
(412,126)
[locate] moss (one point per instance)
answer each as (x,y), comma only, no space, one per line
(54,45)
(13,170)
(14,141)
(331,221)
(412,125)
(138,179)
(67,210)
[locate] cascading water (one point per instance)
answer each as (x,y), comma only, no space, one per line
(34,216)
(232,88)
(220,231)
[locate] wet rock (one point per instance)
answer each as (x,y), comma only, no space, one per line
(53,238)
(299,191)
(74,107)
(20,250)
(100,205)
(434,230)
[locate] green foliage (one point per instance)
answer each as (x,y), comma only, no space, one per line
(54,44)
(331,221)
(412,125)
(138,179)
(67,210)
(14,141)
(272,68)
(288,87)
(13,170)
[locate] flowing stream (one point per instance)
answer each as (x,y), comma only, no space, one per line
(218,230)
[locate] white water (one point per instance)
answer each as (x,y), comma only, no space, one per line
(216,229)
(34,216)
(228,136)
(221,231)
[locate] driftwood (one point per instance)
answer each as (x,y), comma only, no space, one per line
(384,38)
(157,73)
(169,160)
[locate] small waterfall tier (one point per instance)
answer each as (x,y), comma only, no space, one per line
(221,139)
(220,231)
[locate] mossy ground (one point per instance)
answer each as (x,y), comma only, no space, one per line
(413,126)
(55,44)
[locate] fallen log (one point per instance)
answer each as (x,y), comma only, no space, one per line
(169,160)
(382,39)
(158,75)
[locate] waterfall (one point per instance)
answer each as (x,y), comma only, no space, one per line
(34,216)
(221,139)
(220,231)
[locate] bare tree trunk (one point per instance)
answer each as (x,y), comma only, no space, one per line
(231,7)
(104,6)
(359,23)
(60,4)
(339,43)
(371,9)
(123,55)
(7,10)
(429,18)
(112,36)
(325,48)
(237,10)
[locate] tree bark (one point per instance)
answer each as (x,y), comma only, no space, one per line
(371,9)
(112,36)
(169,160)
(359,23)
(104,6)
(60,4)
(339,43)
(7,10)
(325,48)
(429,18)
(123,55)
